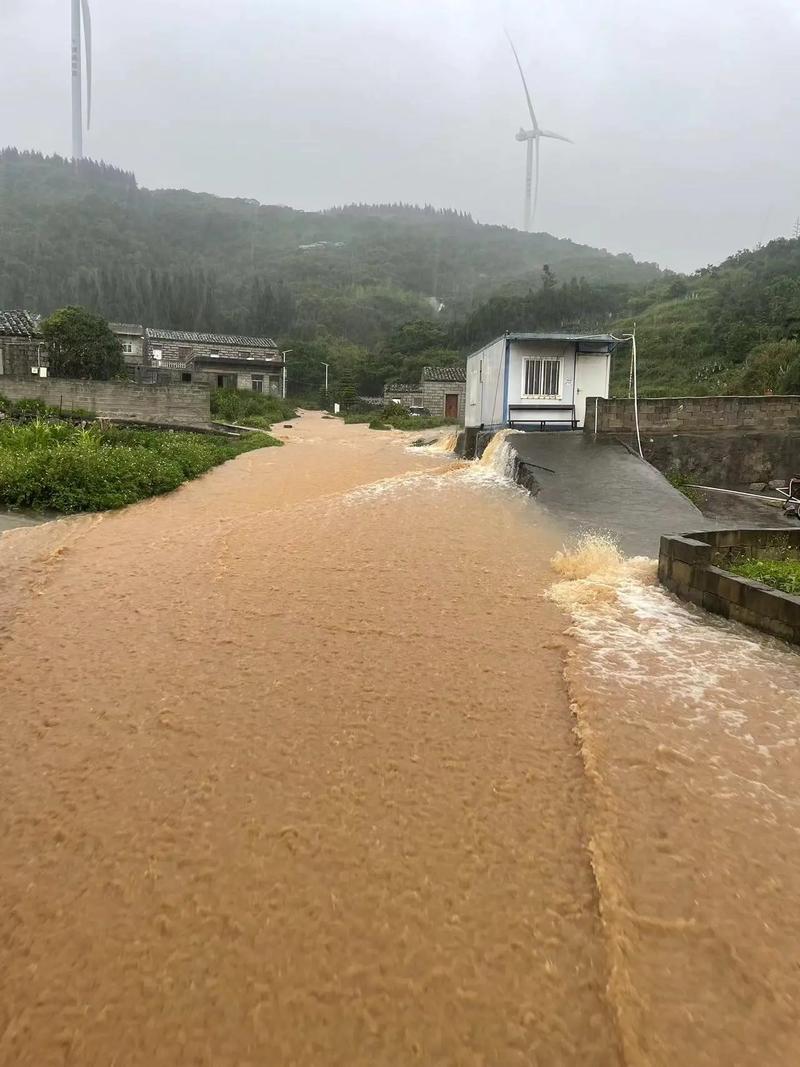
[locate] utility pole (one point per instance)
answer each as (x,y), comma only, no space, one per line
(326,366)
(285,354)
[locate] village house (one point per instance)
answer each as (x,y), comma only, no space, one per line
(441,391)
(21,345)
(537,381)
(131,337)
(223,361)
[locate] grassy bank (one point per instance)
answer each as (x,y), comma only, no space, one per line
(394,419)
(779,574)
(242,408)
(56,466)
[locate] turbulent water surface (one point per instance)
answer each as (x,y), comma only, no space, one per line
(300,766)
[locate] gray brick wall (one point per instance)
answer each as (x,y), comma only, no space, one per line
(695,414)
(184,405)
(687,566)
(433,396)
(17,356)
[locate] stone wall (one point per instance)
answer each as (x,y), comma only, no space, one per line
(727,460)
(695,414)
(687,567)
(178,404)
(408,395)
(433,396)
(17,356)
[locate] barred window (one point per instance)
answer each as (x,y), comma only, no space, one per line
(542,377)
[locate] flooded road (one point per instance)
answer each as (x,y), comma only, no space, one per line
(300,766)
(289,776)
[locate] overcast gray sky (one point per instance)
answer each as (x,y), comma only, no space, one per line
(685,113)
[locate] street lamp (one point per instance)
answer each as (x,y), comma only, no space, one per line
(285,354)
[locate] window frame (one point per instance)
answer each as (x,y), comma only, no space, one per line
(558,361)
(257,383)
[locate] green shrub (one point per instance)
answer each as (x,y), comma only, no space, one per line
(61,467)
(239,406)
(681,483)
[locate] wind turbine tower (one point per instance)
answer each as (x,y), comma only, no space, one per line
(81,19)
(531,137)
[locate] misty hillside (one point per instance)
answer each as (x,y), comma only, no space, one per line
(90,235)
(700,334)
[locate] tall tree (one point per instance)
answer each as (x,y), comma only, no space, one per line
(81,345)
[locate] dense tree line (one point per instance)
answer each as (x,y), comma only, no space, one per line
(709,332)
(376,291)
(87,232)
(575,305)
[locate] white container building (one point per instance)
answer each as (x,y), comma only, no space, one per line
(537,381)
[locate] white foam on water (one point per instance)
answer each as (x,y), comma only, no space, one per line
(643,649)
(444,445)
(496,465)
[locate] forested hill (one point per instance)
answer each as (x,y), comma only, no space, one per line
(729,328)
(90,235)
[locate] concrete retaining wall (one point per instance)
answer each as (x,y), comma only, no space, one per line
(695,414)
(687,567)
(728,460)
(179,404)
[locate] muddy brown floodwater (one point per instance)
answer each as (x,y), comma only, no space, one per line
(289,776)
(319,761)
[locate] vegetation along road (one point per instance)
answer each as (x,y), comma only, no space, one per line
(300,767)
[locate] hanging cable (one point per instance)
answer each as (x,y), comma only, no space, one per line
(633,385)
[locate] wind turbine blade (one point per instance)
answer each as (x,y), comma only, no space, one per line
(557,136)
(87,35)
(536,185)
(524,83)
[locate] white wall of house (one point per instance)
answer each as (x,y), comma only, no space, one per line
(551,379)
(486,386)
(558,369)
(593,378)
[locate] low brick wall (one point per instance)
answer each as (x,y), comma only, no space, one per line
(178,404)
(695,414)
(687,567)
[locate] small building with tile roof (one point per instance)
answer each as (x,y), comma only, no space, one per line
(131,337)
(441,390)
(225,361)
(21,345)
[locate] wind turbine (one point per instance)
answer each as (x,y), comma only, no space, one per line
(80,15)
(532,138)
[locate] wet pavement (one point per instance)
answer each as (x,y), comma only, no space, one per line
(601,486)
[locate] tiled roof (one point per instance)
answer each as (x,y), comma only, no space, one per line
(182,336)
(444,374)
(127,328)
(18,324)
